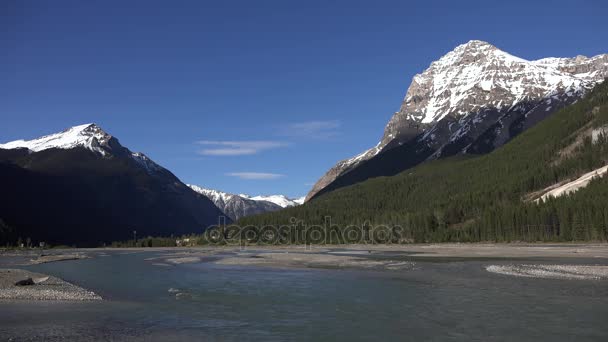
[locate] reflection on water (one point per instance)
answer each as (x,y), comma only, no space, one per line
(455,300)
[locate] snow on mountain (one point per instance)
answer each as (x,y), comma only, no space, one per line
(93,138)
(238,206)
(477,87)
(214,195)
(453,84)
(145,162)
(280,200)
(88,176)
(89,136)
(477,75)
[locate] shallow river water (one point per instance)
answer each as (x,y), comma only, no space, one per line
(438,300)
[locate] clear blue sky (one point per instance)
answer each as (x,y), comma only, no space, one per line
(216,90)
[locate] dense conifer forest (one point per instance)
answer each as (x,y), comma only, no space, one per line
(488,197)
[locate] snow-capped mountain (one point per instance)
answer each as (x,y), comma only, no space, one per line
(241,205)
(81,186)
(236,206)
(88,136)
(280,200)
(472,100)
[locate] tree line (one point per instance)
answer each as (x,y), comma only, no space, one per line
(488,197)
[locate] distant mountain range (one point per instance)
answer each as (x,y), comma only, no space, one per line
(280,200)
(239,206)
(81,186)
(470,101)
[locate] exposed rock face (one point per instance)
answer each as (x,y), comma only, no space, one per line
(472,100)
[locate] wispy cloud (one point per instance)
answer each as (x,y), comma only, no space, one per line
(322,129)
(237,148)
(255,175)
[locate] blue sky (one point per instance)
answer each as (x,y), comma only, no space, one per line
(254,97)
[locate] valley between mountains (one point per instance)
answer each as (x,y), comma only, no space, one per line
(486,146)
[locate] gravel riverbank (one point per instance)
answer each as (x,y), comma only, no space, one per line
(52,289)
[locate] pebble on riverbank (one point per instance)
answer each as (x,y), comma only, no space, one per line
(52,289)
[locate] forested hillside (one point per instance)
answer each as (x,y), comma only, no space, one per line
(490,197)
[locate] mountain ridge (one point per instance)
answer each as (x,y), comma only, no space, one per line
(472,100)
(84,175)
(241,205)
(89,136)
(498,196)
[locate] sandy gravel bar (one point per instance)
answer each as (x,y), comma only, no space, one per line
(492,250)
(184,260)
(436,250)
(582,272)
(58,257)
(325,260)
(52,289)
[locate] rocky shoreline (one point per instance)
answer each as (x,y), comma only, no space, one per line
(53,289)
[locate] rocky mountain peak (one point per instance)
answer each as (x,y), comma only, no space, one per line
(470,89)
(473,51)
(238,206)
(477,75)
(89,136)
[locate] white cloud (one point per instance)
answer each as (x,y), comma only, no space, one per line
(237,148)
(255,175)
(312,129)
